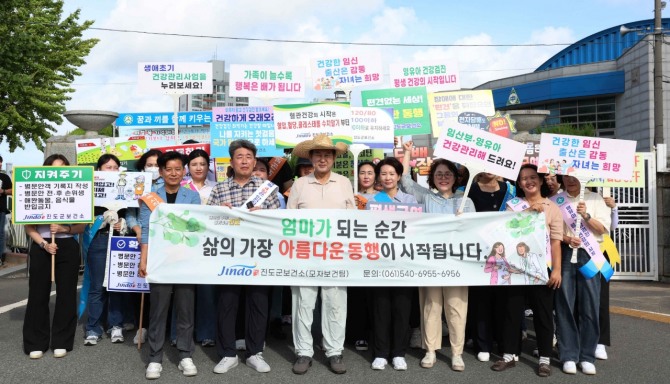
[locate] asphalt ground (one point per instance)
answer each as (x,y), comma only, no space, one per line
(640,334)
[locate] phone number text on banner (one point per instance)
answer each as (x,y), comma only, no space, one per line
(218,245)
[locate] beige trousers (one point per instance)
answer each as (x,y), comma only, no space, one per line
(454,300)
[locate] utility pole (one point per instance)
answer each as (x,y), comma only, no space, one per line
(658,76)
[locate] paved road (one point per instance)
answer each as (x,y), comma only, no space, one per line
(639,354)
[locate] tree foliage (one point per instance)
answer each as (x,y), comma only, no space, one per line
(40,54)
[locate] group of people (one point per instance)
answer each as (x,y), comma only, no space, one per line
(483,314)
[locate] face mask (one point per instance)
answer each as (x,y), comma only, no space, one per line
(154,172)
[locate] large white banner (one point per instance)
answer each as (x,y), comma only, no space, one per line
(194,244)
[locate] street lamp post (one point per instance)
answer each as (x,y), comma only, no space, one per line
(658,76)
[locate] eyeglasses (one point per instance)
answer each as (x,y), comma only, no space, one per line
(446,175)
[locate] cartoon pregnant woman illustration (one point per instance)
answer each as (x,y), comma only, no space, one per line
(497,265)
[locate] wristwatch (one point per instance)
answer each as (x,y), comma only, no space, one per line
(43,244)
(587,218)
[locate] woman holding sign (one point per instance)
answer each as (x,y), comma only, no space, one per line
(443,197)
(532,192)
(96,259)
(38,334)
(578,338)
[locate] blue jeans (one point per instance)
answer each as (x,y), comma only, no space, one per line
(577,339)
(205,312)
(98,296)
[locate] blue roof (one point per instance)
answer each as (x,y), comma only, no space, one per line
(543,91)
(605,45)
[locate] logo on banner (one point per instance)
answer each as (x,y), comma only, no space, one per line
(239,270)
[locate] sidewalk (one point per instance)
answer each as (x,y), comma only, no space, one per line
(649,300)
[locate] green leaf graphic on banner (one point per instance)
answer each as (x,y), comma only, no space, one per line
(178,229)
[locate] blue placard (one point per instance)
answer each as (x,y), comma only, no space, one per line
(255,124)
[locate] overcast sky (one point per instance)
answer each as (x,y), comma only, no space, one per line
(108,80)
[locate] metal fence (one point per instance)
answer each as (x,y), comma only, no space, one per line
(636,236)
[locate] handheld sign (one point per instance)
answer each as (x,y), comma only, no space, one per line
(586,158)
(52,195)
(267,81)
(48,195)
(479,149)
(124,260)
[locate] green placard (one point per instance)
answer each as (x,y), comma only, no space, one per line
(410,108)
(45,195)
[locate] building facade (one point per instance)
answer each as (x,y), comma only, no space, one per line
(607,80)
(220,96)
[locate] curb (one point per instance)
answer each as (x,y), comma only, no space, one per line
(14,269)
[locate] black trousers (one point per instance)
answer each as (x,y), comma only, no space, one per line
(541,301)
(38,334)
(604,310)
(358,314)
(510,303)
(256,318)
(497,313)
(390,318)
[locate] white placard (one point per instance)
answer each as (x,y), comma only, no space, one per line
(171,78)
(481,150)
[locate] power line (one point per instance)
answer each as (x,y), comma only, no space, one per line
(324,42)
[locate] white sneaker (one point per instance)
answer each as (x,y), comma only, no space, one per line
(187,367)
(601,352)
(136,339)
(483,356)
(399,364)
(428,360)
(91,339)
(226,364)
(60,352)
(258,363)
(570,367)
(153,371)
(588,368)
(117,335)
(379,364)
(457,363)
(415,339)
(241,345)
(36,354)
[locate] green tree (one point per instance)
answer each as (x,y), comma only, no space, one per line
(40,54)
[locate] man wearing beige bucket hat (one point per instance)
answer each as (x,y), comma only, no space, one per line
(323,189)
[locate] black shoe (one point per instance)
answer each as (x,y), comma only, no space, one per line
(301,365)
(502,365)
(336,364)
